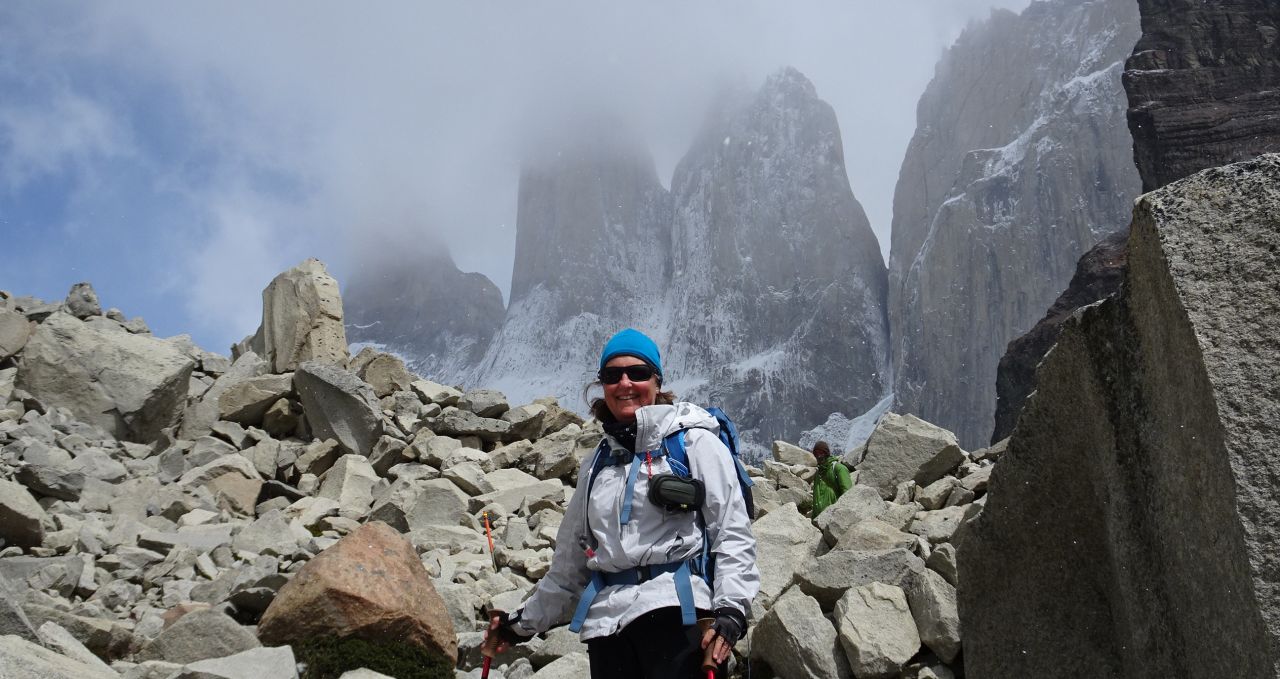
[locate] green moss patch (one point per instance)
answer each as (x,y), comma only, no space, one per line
(330,658)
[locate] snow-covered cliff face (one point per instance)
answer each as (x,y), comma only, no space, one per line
(592,255)
(1021,162)
(422,307)
(778,289)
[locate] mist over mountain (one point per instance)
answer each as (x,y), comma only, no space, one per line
(419,304)
(592,253)
(758,272)
(1021,162)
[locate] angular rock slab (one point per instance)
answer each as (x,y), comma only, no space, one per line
(827,577)
(302,319)
(21,658)
(369,585)
(199,635)
(247,402)
(386,374)
(15,330)
(876,629)
(797,640)
(132,386)
(21,517)
(201,415)
(857,504)
(788,454)
(1130,528)
(933,605)
(276,662)
(339,406)
(903,448)
(54,637)
(785,543)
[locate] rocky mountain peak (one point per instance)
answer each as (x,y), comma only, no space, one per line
(592,220)
(756,272)
(778,277)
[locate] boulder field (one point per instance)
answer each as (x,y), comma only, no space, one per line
(292,510)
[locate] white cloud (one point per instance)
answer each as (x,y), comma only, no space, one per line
(325,128)
(46,136)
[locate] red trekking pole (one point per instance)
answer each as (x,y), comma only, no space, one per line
(490,645)
(708,656)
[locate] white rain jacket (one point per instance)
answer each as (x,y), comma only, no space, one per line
(653,536)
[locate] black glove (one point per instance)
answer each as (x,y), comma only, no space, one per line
(730,623)
(506,627)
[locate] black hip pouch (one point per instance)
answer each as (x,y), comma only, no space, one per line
(676,494)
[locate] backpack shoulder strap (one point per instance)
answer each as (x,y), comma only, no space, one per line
(597,463)
(677,454)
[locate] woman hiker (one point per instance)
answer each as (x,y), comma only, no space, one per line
(831,481)
(634,564)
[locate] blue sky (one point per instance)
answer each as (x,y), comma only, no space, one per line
(178,156)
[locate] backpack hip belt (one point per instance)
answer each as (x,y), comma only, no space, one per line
(682,570)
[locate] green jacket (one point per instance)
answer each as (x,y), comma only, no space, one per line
(831,481)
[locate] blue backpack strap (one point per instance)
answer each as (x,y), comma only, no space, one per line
(677,454)
(597,463)
(684,593)
(596,582)
(632,473)
(729,436)
(594,585)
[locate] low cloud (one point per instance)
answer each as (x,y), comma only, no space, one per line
(256,135)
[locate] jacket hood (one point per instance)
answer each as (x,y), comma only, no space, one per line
(654,423)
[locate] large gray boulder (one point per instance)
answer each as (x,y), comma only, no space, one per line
(857,504)
(785,543)
(1130,527)
(876,630)
(15,329)
(457,422)
(21,517)
(247,401)
(276,662)
(385,373)
(796,640)
(906,448)
(57,638)
(933,605)
(131,386)
(350,483)
(302,319)
(13,620)
(339,406)
(827,577)
(82,301)
(201,414)
(199,635)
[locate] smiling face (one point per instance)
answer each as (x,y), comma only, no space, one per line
(626,397)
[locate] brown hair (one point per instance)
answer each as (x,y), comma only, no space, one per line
(600,409)
(821,448)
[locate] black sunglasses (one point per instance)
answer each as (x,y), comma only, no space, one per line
(635,373)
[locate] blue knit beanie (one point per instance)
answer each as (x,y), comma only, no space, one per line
(631,342)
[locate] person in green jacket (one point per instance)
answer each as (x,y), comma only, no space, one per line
(831,481)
